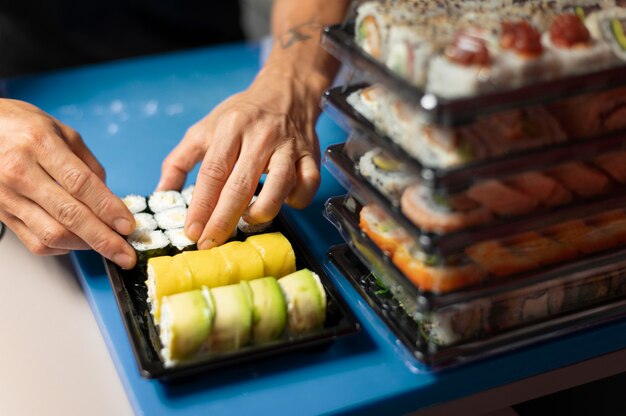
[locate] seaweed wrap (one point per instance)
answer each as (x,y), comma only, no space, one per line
(162,200)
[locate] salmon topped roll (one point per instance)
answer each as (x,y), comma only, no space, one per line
(581,179)
(614,164)
(612,223)
(582,237)
(382,229)
(501,199)
(540,250)
(542,188)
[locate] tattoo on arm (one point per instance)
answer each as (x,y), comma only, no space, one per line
(298,33)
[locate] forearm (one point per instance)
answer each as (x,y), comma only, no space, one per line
(296,53)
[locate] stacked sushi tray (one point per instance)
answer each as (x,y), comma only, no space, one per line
(187,311)
(485,169)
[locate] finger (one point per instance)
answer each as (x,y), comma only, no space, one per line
(307,183)
(84,185)
(233,200)
(181,160)
(78,219)
(43,226)
(77,145)
(215,170)
(29,239)
(280,181)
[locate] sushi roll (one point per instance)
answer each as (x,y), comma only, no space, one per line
(163,200)
(232,324)
(171,218)
(500,199)
(581,237)
(609,26)
(245,260)
(390,176)
(498,260)
(148,243)
(145,221)
(453,324)
(576,50)
(187,192)
(613,164)
(278,256)
(305,297)
(208,267)
(179,240)
(436,279)
(582,179)
(540,250)
(247,228)
(135,203)
(542,188)
(185,324)
(382,229)
(269,310)
(612,223)
(166,276)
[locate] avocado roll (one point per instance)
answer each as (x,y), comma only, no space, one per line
(148,243)
(185,324)
(166,276)
(306,301)
(145,221)
(135,203)
(163,200)
(276,253)
(179,240)
(232,325)
(269,310)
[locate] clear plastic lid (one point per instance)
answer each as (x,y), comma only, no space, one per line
(495,146)
(456,60)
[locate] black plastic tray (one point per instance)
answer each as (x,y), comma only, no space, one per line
(342,168)
(455,179)
(435,358)
(418,302)
(131,294)
(339,41)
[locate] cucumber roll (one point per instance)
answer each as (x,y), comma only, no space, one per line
(232,325)
(171,218)
(185,324)
(306,301)
(187,193)
(166,276)
(179,240)
(148,243)
(276,252)
(135,203)
(145,221)
(269,314)
(162,200)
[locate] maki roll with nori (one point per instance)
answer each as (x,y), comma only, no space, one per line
(135,203)
(247,228)
(171,218)
(390,176)
(145,221)
(163,200)
(187,193)
(179,240)
(148,243)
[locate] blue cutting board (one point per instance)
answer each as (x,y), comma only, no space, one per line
(131,113)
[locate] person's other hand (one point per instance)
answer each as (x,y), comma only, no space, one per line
(52,191)
(265,129)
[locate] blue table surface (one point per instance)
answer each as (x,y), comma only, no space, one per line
(131,113)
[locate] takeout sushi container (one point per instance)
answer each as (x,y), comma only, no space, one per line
(131,295)
(415,49)
(493,316)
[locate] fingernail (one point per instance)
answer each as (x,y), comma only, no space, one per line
(123,260)
(194,231)
(123,226)
(206,244)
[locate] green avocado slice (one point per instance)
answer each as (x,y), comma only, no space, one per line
(306,301)
(186,322)
(269,310)
(232,324)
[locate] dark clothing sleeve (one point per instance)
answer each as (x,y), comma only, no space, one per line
(37,35)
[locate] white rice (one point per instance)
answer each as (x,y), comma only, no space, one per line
(187,193)
(135,203)
(178,238)
(391,183)
(144,240)
(162,200)
(145,221)
(171,218)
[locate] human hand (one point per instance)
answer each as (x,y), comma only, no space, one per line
(268,128)
(52,191)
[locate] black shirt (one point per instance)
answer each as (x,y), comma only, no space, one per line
(38,35)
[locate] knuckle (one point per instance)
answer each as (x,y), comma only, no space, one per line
(241,186)
(76,181)
(103,205)
(69,214)
(15,171)
(38,248)
(213,172)
(102,244)
(53,236)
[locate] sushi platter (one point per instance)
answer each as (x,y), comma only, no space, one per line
(188,311)
(485,169)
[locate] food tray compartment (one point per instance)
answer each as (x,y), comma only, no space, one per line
(130,293)
(443,244)
(339,40)
(454,169)
(425,288)
(435,356)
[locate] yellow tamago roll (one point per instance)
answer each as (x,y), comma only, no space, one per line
(166,276)
(247,261)
(278,256)
(208,267)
